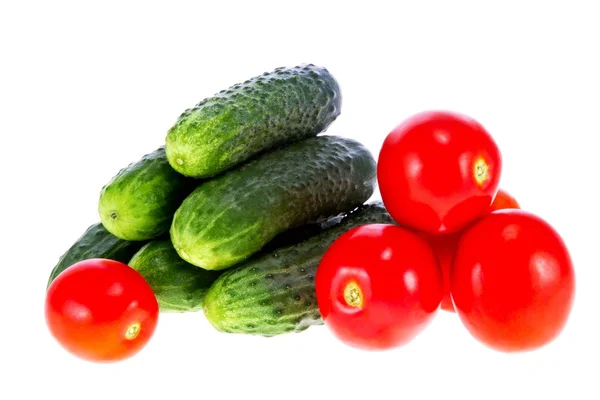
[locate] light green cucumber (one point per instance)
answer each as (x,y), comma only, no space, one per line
(274,292)
(139,202)
(265,112)
(229,218)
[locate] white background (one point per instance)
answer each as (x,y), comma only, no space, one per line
(87,87)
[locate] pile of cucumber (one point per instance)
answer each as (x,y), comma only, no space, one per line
(233,213)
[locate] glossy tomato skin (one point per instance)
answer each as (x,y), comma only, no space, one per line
(438,171)
(101,310)
(397,286)
(512,281)
(504,200)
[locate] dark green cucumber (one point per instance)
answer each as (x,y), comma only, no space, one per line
(177,285)
(274,292)
(267,111)
(231,217)
(96,242)
(139,202)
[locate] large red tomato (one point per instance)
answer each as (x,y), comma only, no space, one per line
(512,281)
(438,171)
(378,286)
(101,310)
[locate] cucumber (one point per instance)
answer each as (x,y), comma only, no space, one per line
(267,111)
(227,219)
(139,202)
(177,285)
(274,293)
(96,242)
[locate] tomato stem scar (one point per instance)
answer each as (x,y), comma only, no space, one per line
(353,295)
(481,171)
(133,331)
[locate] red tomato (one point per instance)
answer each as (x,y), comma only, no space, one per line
(512,281)
(438,171)
(378,286)
(444,246)
(101,310)
(503,201)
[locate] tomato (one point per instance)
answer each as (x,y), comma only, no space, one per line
(503,201)
(101,310)
(513,281)
(378,286)
(445,246)
(438,171)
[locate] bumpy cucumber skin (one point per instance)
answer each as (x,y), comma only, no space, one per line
(139,202)
(265,112)
(177,285)
(231,217)
(96,242)
(274,293)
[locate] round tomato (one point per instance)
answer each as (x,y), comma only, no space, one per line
(101,310)
(512,281)
(378,286)
(503,201)
(438,171)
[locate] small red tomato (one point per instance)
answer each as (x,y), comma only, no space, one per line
(378,286)
(512,281)
(438,171)
(101,310)
(503,201)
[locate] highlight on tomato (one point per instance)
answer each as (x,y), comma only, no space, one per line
(101,310)
(438,171)
(512,281)
(378,286)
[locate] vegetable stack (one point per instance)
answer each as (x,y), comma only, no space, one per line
(250,213)
(246,182)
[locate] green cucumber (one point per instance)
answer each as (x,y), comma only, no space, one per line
(177,285)
(229,218)
(139,202)
(274,293)
(96,242)
(265,112)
